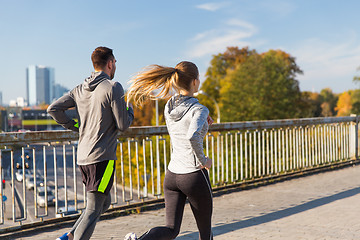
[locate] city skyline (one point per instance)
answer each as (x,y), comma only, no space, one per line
(41,88)
(322,35)
(40,82)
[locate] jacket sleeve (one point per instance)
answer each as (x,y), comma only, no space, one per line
(198,120)
(57,111)
(123,116)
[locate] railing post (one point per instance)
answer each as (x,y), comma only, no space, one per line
(356,137)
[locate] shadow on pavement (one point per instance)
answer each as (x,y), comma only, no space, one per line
(225,228)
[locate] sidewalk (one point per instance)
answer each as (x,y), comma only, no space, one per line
(321,206)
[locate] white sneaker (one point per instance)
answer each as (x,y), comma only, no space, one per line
(130,236)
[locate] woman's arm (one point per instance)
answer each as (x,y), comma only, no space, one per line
(199,118)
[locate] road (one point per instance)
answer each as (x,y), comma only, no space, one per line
(69,191)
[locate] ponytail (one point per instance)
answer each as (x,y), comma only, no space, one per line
(164,79)
(155,77)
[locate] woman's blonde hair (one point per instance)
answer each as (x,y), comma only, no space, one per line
(164,79)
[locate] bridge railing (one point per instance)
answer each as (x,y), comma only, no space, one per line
(241,152)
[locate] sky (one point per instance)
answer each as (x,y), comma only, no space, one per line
(322,35)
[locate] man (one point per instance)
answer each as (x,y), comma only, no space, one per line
(102,113)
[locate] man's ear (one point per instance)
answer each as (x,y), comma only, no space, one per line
(109,64)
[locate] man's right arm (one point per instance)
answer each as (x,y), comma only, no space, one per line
(57,111)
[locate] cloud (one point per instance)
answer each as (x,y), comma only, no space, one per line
(235,32)
(239,23)
(327,64)
(279,8)
(211,6)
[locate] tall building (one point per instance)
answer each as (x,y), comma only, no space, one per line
(59,91)
(39,84)
(1,100)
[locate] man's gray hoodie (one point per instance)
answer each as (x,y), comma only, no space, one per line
(102,113)
(186,121)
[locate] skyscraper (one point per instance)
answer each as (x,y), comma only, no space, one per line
(59,91)
(39,84)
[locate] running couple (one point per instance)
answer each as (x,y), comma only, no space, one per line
(103,112)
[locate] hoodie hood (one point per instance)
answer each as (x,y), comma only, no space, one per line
(94,80)
(179,105)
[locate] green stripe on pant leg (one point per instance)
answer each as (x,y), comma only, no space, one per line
(107,176)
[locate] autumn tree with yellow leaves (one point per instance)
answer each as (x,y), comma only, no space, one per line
(344,106)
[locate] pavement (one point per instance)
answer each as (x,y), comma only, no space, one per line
(320,206)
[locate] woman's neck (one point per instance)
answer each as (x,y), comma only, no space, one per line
(186,93)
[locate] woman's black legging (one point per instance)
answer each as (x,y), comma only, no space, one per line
(196,188)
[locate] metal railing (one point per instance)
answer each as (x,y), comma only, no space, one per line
(241,152)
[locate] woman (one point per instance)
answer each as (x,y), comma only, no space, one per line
(187,122)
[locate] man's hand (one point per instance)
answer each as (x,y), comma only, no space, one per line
(129,105)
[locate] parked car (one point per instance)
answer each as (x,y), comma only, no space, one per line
(19,163)
(27,160)
(70,212)
(51,188)
(41,197)
(19,174)
(29,182)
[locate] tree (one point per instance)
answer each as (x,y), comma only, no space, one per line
(344,105)
(311,104)
(145,115)
(356,79)
(355,101)
(220,65)
(252,86)
(326,110)
(329,101)
(281,91)
(42,106)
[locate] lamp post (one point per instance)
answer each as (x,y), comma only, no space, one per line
(157,144)
(213,99)
(11,116)
(157,111)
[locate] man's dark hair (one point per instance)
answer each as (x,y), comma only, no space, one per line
(100,57)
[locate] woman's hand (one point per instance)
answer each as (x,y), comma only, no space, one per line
(210,120)
(208,163)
